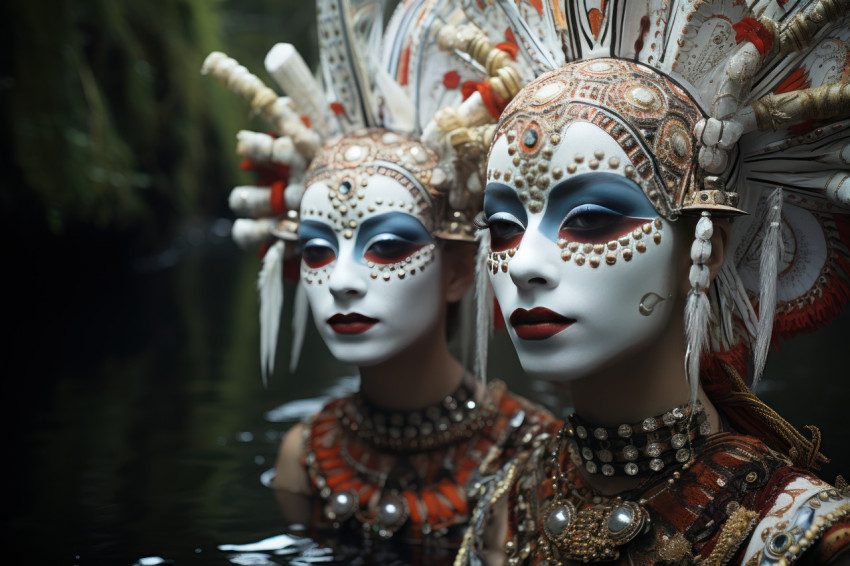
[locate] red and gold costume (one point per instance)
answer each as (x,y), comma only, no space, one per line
(412,473)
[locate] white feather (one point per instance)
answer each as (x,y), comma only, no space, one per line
(300,310)
(484,305)
(771,249)
(270,287)
(697,315)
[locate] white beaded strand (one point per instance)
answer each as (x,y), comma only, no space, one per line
(698,308)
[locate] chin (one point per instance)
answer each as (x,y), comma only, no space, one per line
(359,354)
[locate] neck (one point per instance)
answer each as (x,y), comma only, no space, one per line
(646,384)
(422,374)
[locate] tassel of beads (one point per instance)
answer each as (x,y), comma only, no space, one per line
(698,309)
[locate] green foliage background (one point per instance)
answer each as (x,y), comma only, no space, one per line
(112,131)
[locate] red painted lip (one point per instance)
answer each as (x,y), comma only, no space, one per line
(351,323)
(538,323)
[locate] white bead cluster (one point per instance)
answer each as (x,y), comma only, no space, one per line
(700,252)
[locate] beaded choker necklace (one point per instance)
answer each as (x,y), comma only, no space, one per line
(458,416)
(641,448)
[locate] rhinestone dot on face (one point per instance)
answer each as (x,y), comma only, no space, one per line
(653,450)
(581,432)
(683,455)
(678,440)
(590,466)
(587,453)
(600,434)
(607,470)
(649,424)
(631,452)
(631,469)
(624,431)
(656,464)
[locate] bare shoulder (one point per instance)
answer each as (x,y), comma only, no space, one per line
(290,474)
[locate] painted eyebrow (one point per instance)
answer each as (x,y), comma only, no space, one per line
(401,224)
(310,229)
(610,190)
(499,197)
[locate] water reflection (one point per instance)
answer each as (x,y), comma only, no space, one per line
(148,431)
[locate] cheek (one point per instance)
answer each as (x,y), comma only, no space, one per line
(624,248)
(407,266)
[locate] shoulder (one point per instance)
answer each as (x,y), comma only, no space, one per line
(799,514)
(291,467)
(290,473)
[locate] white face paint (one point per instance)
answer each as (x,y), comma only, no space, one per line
(370,269)
(579,267)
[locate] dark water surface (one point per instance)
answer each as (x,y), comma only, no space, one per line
(140,426)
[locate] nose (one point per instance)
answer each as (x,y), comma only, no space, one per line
(534,264)
(348,279)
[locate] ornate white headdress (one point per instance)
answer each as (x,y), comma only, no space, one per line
(393,82)
(728,108)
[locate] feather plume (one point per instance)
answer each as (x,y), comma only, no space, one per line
(270,286)
(697,316)
(484,304)
(300,311)
(771,250)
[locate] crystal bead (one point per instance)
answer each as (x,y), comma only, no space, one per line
(683,455)
(590,466)
(390,512)
(669,419)
(624,431)
(581,432)
(607,470)
(653,450)
(600,434)
(529,137)
(631,469)
(620,519)
(605,455)
(649,424)
(656,464)
(678,441)
(630,452)
(587,453)
(558,519)
(678,414)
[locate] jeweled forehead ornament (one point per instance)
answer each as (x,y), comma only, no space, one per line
(346,164)
(643,112)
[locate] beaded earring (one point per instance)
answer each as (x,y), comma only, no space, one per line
(698,309)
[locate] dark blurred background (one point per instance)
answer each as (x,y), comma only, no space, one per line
(134,406)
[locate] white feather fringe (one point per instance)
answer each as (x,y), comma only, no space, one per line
(300,310)
(484,305)
(270,287)
(698,307)
(771,250)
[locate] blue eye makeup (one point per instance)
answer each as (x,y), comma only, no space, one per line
(595,208)
(504,215)
(318,243)
(390,238)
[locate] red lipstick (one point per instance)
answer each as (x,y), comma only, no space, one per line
(538,323)
(352,323)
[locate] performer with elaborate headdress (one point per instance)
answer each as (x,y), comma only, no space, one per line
(382,224)
(663,201)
